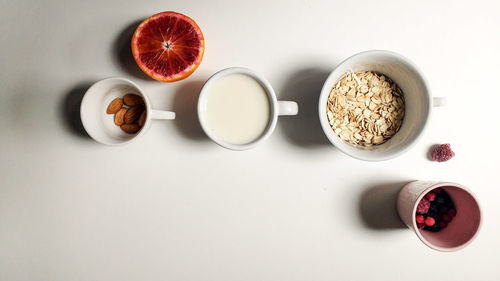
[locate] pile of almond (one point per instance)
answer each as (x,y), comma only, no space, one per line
(365,108)
(130,113)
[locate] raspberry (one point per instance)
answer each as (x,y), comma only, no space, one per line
(430,221)
(442,224)
(420,219)
(431,196)
(420,225)
(442,153)
(423,206)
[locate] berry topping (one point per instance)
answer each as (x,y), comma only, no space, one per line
(442,224)
(430,221)
(420,225)
(442,153)
(420,219)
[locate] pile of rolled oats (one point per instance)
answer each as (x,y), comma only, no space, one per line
(365,108)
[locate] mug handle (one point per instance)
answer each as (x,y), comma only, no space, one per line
(287,108)
(439,101)
(162,115)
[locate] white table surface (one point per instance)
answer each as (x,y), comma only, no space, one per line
(175,206)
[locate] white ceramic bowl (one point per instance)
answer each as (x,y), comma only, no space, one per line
(418,102)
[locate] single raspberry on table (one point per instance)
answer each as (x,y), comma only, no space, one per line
(442,153)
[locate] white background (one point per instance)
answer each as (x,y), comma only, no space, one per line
(175,206)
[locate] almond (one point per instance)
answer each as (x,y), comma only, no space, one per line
(114,106)
(132,100)
(133,114)
(142,119)
(130,128)
(119,120)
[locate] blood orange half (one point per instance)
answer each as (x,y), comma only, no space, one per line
(168,46)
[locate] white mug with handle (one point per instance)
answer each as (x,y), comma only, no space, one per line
(417,95)
(277,108)
(99,125)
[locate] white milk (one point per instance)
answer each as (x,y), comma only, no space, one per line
(238,109)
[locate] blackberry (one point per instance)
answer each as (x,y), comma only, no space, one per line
(443,209)
(440,199)
(434,228)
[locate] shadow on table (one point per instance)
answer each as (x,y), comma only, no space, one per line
(185,107)
(70,109)
(431,149)
(304,87)
(377,206)
(123,52)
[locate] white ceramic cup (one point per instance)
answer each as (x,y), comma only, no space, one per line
(99,125)
(278,108)
(418,102)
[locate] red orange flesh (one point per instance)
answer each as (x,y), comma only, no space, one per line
(168,46)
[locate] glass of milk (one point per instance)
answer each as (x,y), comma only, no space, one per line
(238,108)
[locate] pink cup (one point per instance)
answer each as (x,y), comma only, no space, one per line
(460,232)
